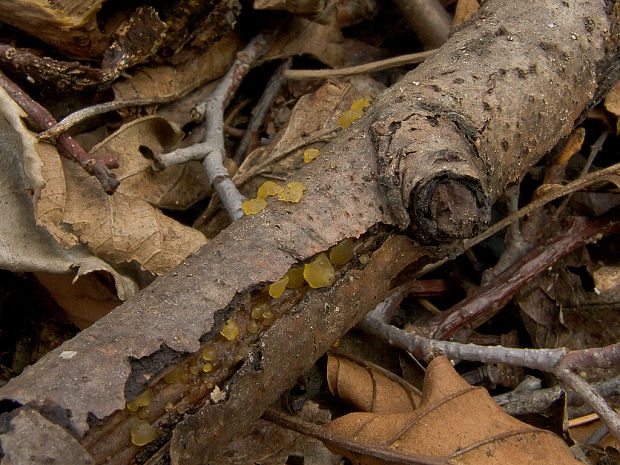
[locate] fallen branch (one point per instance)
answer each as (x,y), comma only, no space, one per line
(212,150)
(67,147)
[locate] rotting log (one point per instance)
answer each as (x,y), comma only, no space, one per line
(431,155)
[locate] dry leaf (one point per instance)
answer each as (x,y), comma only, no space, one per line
(27,245)
(168,81)
(465,9)
(292,6)
(606,278)
(454,421)
(84,300)
(368,387)
(175,188)
(304,37)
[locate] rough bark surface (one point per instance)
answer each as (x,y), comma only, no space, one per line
(432,153)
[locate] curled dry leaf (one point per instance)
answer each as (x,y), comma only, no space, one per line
(31,233)
(612,104)
(368,387)
(455,421)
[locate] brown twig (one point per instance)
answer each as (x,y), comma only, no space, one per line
(489,299)
(211,151)
(383,454)
(428,19)
(549,360)
(67,147)
(260,110)
(380,65)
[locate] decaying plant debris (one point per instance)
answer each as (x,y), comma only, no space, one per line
(422,166)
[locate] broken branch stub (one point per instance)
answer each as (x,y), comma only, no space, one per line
(473,118)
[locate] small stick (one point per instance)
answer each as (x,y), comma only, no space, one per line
(428,19)
(549,360)
(212,151)
(380,65)
(68,147)
(260,110)
(489,299)
(89,112)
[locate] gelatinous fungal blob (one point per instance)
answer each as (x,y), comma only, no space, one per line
(276,289)
(295,278)
(364,259)
(319,272)
(253,206)
(360,104)
(348,117)
(209,354)
(341,253)
(310,154)
(293,192)
(142,433)
(268,188)
(175,375)
(230,330)
(143,400)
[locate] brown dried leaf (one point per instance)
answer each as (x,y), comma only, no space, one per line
(612,104)
(454,421)
(126,226)
(606,279)
(368,387)
(170,81)
(465,9)
(84,300)
(175,188)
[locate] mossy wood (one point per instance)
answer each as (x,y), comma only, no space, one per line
(431,155)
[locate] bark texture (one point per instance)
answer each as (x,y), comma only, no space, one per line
(431,154)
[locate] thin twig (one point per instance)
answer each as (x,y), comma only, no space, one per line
(212,151)
(549,360)
(67,147)
(260,110)
(95,110)
(380,65)
(521,402)
(594,150)
(383,454)
(489,299)
(428,19)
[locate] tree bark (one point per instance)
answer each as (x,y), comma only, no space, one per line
(431,156)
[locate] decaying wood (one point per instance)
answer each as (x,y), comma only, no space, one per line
(79,29)
(432,153)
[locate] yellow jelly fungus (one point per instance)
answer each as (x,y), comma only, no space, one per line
(144,413)
(268,188)
(253,326)
(319,272)
(276,289)
(253,206)
(242,352)
(310,154)
(169,406)
(348,117)
(268,315)
(230,330)
(209,354)
(336,343)
(207,367)
(257,312)
(360,104)
(175,375)
(143,400)
(194,369)
(293,192)
(142,433)
(364,258)
(341,253)
(295,278)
